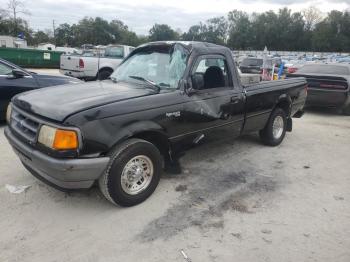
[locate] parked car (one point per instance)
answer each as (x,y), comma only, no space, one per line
(253,65)
(162,98)
(328,85)
(15,80)
(94,66)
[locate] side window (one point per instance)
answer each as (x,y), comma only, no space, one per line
(210,73)
(5,70)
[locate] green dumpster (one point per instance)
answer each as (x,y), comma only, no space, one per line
(31,57)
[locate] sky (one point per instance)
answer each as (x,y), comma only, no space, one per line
(140,15)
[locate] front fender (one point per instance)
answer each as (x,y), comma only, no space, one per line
(135,128)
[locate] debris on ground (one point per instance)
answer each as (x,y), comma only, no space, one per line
(181,188)
(267,240)
(16,189)
(266,231)
(338,197)
(237,235)
(185,256)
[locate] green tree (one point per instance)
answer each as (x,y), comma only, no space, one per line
(240,30)
(40,37)
(64,35)
(333,33)
(162,32)
(195,33)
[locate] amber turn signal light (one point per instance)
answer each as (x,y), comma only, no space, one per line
(65,140)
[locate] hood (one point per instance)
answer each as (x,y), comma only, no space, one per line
(52,80)
(59,102)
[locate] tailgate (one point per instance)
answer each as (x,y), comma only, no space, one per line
(70,62)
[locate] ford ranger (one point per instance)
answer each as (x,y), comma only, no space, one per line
(122,132)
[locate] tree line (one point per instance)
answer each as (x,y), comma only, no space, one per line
(308,30)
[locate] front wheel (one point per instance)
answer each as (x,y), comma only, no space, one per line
(275,129)
(132,174)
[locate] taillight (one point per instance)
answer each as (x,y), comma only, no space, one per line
(333,86)
(81,63)
(292,70)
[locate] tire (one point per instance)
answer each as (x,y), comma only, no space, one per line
(133,153)
(104,74)
(346,110)
(267,135)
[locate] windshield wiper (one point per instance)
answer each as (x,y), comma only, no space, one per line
(151,83)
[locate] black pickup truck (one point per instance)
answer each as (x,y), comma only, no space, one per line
(121,132)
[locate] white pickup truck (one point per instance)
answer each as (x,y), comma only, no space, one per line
(92,66)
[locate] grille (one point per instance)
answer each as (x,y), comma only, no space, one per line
(24,125)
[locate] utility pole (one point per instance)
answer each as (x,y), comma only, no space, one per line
(54,33)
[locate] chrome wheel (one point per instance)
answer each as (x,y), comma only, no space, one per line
(278,127)
(137,175)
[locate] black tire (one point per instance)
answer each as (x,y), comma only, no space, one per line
(110,182)
(104,74)
(267,135)
(346,110)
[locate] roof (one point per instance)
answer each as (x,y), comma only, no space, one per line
(200,47)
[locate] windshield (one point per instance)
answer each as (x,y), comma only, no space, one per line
(325,69)
(162,65)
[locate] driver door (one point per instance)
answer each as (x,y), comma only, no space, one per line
(215,106)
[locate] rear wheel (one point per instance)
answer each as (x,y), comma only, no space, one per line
(346,110)
(275,129)
(104,74)
(133,173)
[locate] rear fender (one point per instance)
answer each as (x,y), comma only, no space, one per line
(285,102)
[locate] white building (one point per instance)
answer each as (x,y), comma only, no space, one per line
(14,42)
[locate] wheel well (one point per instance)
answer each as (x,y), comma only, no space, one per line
(156,138)
(285,106)
(106,69)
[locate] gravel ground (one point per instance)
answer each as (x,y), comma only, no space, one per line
(234,201)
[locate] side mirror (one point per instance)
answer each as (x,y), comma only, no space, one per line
(17,73)
(197,82)
(187,87)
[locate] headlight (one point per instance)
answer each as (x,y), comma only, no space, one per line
(58,139)
(8,113)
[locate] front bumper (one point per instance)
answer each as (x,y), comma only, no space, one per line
(63,174)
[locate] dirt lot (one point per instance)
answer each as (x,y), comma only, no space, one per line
(234,201)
